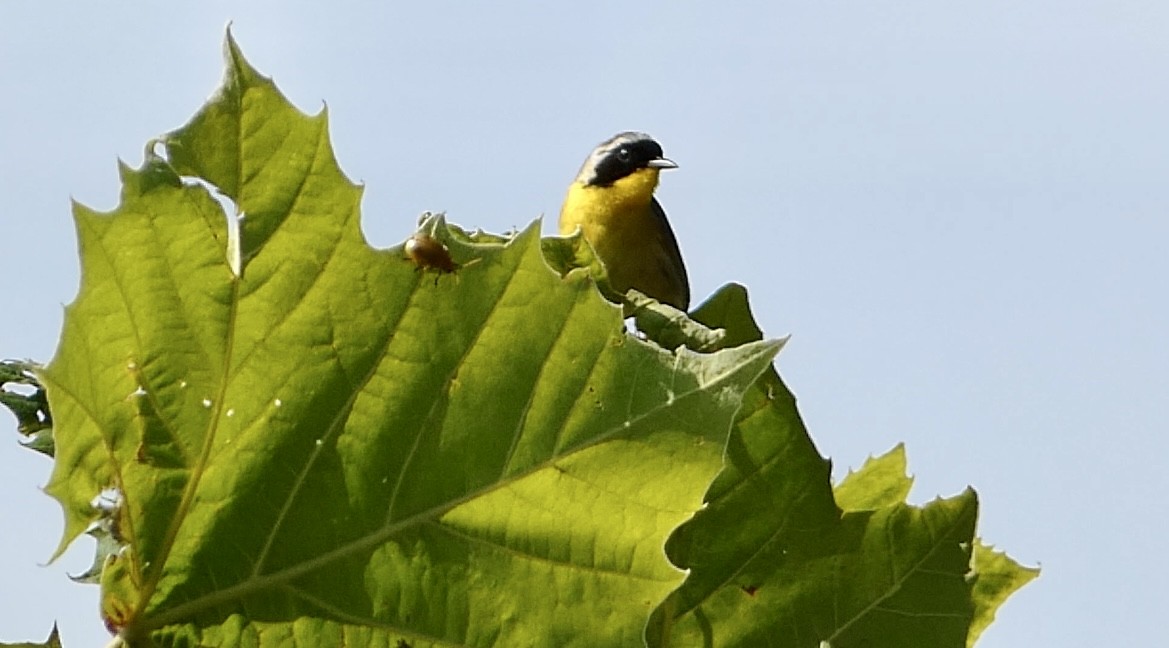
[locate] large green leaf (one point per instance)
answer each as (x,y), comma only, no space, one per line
(775,562)
(312,442)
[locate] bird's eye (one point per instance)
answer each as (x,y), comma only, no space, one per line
(624,154)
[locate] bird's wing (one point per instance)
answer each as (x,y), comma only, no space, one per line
(675,268)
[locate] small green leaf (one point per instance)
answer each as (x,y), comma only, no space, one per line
(54,641)
(567,253)
(23,395)
(107,547)
(880,482)
(997,577)
(898,578)
(669,326)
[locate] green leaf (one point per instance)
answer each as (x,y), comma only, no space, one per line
(997,577)
(669,326)
(23,395)
(880,482)
(319,443)
(773,560)
(107,547)
(901,577)
(54,641)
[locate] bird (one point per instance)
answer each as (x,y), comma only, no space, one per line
(612,202)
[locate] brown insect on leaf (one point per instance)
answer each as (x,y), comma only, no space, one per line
(428,253)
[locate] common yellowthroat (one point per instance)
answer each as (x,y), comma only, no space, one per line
(612,202)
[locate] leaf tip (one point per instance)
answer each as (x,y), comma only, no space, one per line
(239,72)
(231,49)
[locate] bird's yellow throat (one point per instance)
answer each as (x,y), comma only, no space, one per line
(608,210)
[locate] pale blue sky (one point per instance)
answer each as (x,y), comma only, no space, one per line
(959,212)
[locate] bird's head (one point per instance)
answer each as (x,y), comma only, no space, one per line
(622,156)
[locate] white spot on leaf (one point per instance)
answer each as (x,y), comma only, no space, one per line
(233,243)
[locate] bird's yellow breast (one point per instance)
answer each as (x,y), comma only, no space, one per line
(619,222)
(607,215)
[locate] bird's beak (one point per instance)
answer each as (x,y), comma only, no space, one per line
(662,163)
